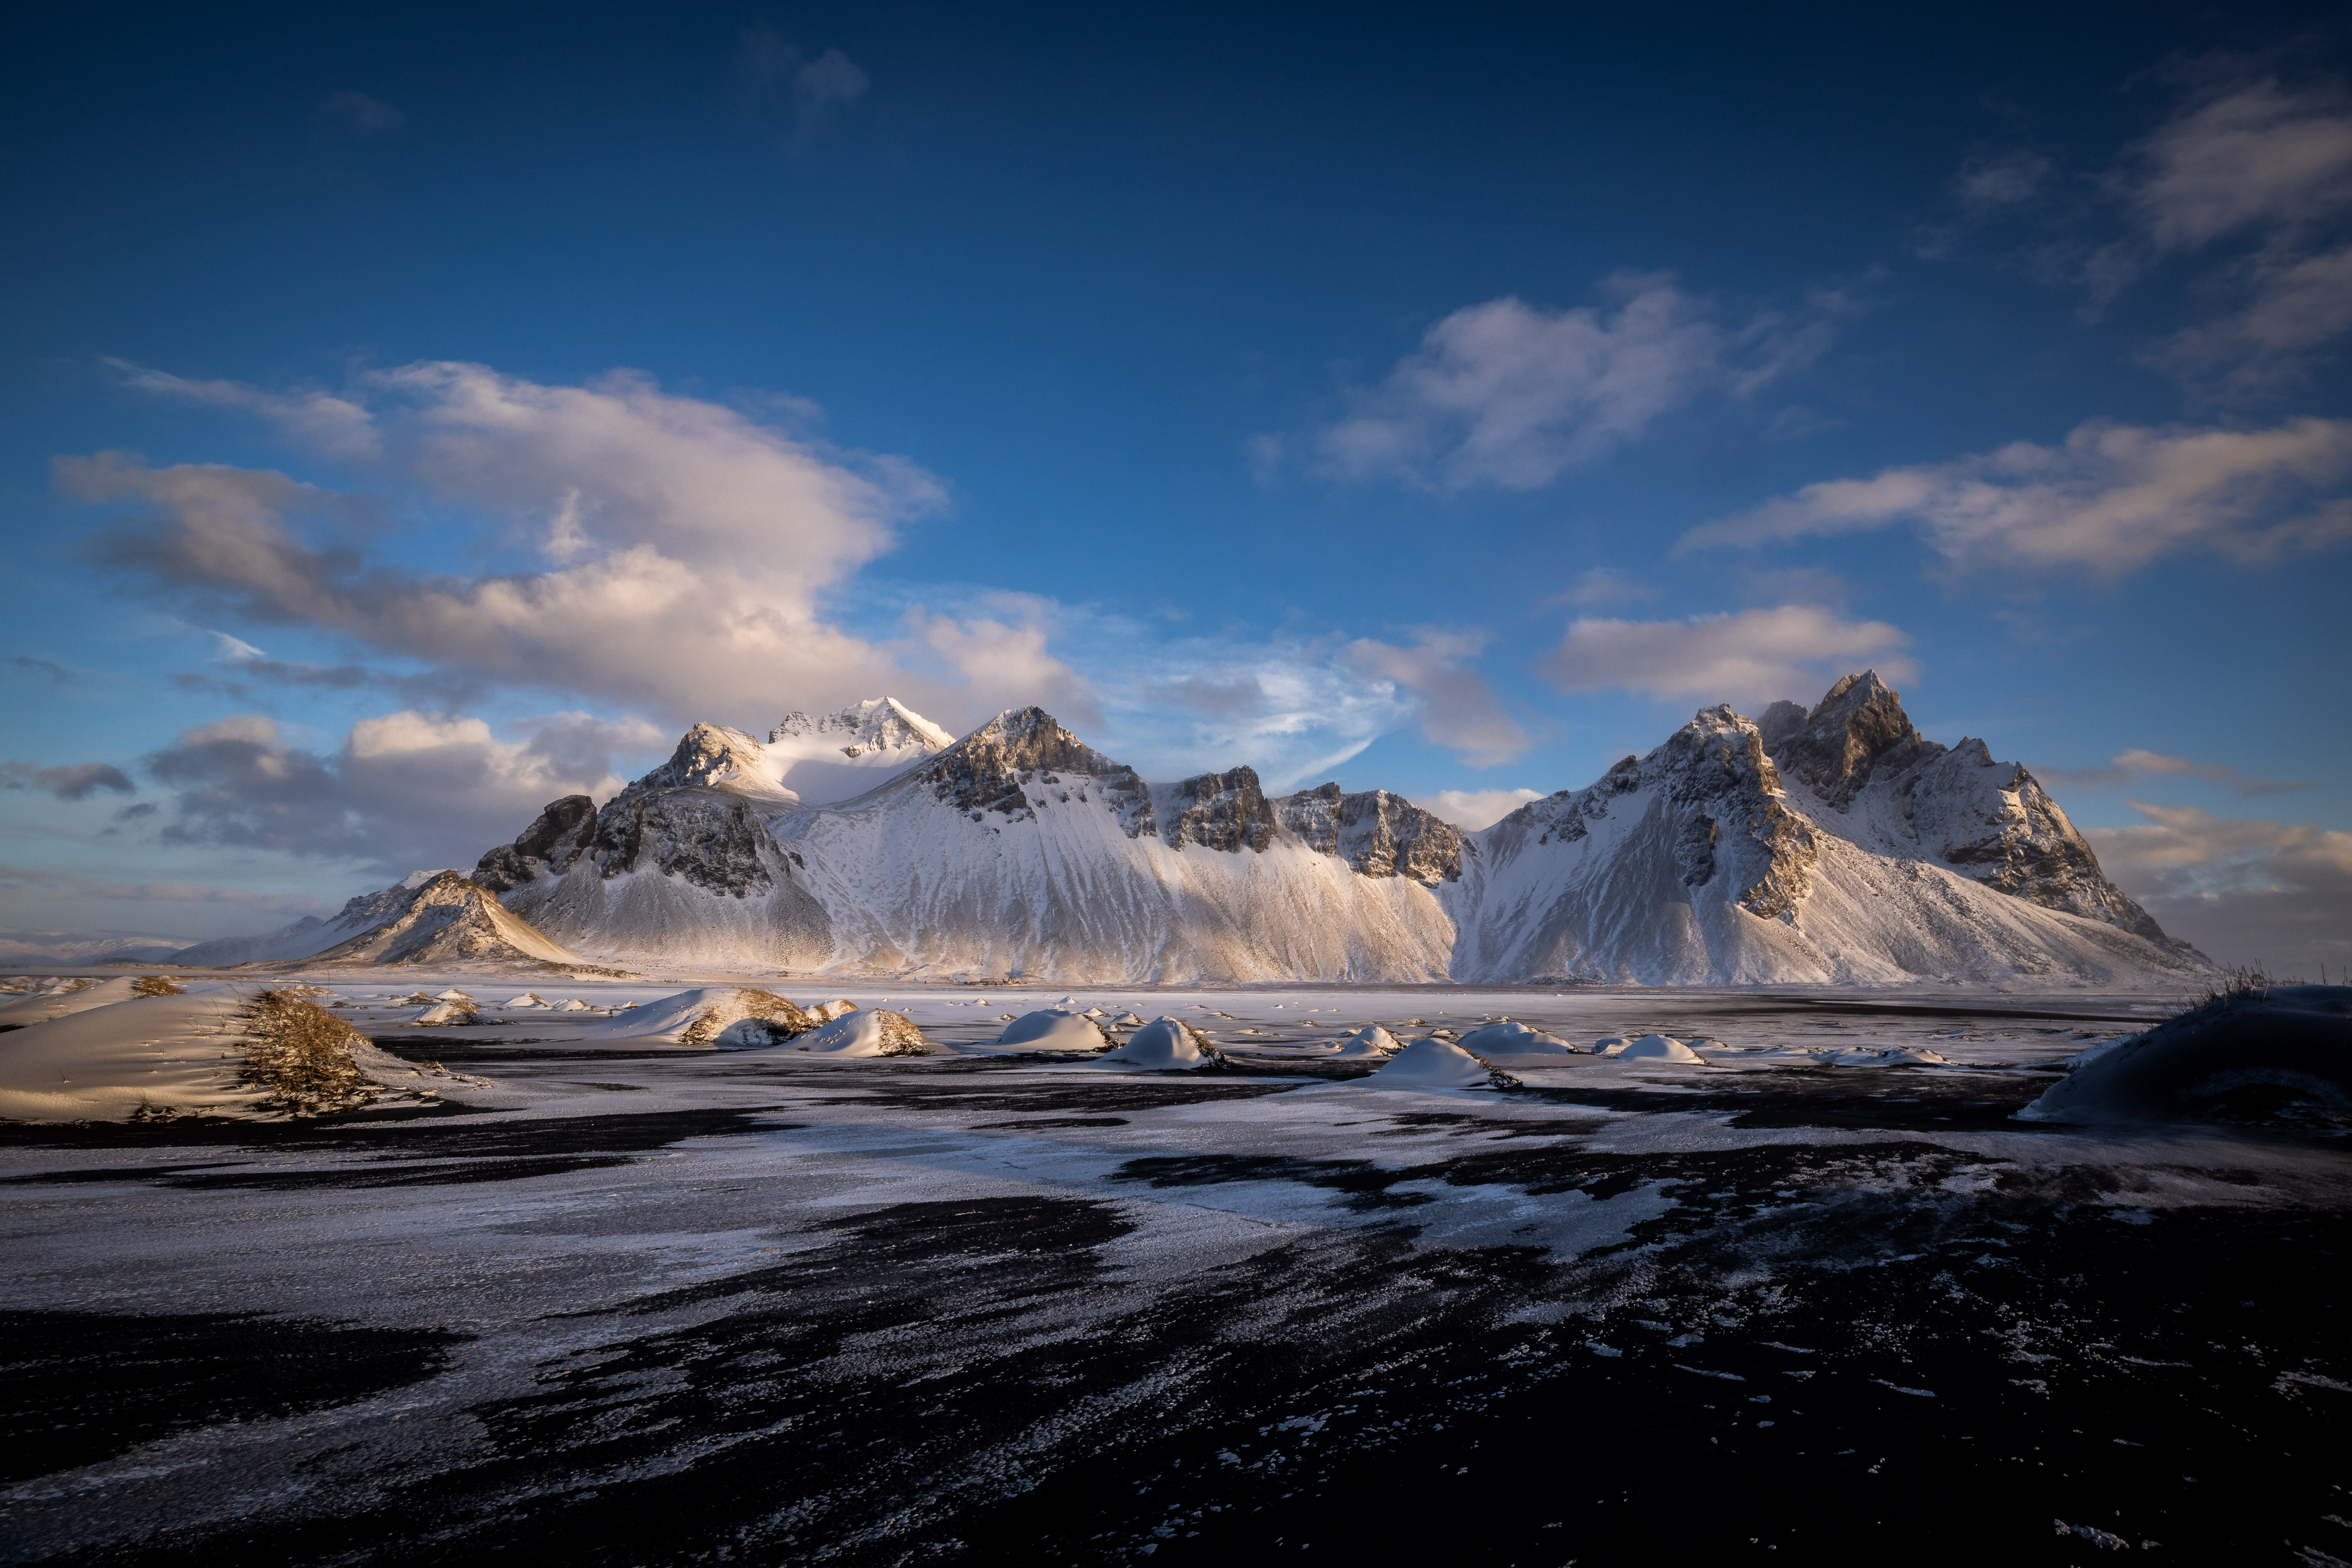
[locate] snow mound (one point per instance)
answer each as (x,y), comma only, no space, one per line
(2281,1058)
(1430,1064)
(216,1052)
(1369,1041)
(697,1018)
(571,1005)
(1512,1039)
(1893,1056)
(1164,1045)
(454,995)
(1127,1020)
(861,1031)
(825,1012)
(40,1008)
(527,999)
(1609,1045)
(1050,1029)
(449,1012)
(1658,1048)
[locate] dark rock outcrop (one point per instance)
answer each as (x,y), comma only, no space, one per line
(1218,811)
(1378,833)
(563,831)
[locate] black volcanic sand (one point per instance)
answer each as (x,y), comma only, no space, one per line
(1851,1344)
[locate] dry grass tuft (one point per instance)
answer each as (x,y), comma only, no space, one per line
(300,1055)
(787,1018)
(156,986)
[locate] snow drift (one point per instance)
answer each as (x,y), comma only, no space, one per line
(865,1031)
(1430,1063)
(1165,1045)
(2280,1056)
(222,1052)
(1050,1029)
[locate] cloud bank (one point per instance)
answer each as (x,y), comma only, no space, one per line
(1748,658)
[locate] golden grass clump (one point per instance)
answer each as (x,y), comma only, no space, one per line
(156,986)
(787,1018)
(300,1055)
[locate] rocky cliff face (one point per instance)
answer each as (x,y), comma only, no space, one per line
(1226,811)
(1873,779)
(562,833)
(1377,833)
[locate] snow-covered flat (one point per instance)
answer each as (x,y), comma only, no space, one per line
(615,1293)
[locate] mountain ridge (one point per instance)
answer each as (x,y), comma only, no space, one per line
(1830,844)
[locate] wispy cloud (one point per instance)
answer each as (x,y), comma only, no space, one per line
(360,112)
(779,83)
(76,781)
(2112,498)
(58,674)
(1471,810)
(2240,888)
(2130,766)
(1509,395)
(1749,657)
(1458,709)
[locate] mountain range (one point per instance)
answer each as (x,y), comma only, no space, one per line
(1830,844)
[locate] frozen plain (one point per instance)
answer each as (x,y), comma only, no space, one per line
(677,1306)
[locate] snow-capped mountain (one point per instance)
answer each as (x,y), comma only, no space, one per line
(805,761)
(1826,845)
(427,917)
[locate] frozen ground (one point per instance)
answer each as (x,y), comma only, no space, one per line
(655,1306)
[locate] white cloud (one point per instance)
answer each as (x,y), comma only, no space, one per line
(1511,395)
(336,426)
(1471,809)
(1749,657)
(2241,889)
(2114,497)
(2126,767)
(2255,153)
(1603,585)
(404,790)
(1458,709)
(687,549)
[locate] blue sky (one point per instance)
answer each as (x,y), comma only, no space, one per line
(411,418)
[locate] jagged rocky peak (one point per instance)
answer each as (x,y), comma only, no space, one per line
(877,724)
(1894,791)
(563,829)
(1378,833)
(994,768)
(1855,733)
(716,756)
(1226,811)
(711,838)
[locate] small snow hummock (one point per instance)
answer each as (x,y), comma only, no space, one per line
(697,1019)
(1657,1048)
(527,999)
(1893,1056)
(1166,1045)
(861,1031)
(1369,1041)
(1510,1038)
(453,994)
(1051,1028)
(450,1012)
(1433,1063)
(825,1012)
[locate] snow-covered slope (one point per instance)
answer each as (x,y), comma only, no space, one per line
(1019,850)
(427,917)
(1694,865)
(1855,765)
